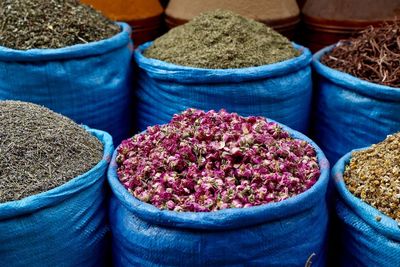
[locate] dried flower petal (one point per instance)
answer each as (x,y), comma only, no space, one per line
(207,161)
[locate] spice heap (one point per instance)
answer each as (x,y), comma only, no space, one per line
(373,175)
(373,56)
(207,161)
(28,24)
(40,150)
(221,40)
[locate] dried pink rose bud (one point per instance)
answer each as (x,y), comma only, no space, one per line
(207,161)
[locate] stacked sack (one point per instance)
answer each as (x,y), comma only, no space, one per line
(368,205)
(358,95)
(222,60)
(52,189)
(69,58)
(214,188)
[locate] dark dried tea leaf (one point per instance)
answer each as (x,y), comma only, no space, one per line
(220,40)
(28,24)
(373,56)
(40,150)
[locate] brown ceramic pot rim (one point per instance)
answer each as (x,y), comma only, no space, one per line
(333,30)
(144,30)
(316,22)
(277,24)
(146,23)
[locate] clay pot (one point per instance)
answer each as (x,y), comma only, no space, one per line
(145,17)
(301,3)
(282,15)
(164,3)
(326,22)
(146,30)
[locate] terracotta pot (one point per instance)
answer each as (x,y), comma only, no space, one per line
(146,30)
(145,17)
(301,3)
(164,3)
(282,15)
(326,22)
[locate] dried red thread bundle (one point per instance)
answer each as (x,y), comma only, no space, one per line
(207,161)
(373,56)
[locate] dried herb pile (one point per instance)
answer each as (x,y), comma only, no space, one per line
(373,56)
(207,161)
(40,150)
(373,175)
(28,24)
(221,40)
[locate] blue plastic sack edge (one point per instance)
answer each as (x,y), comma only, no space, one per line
(75,51)
(228,218)
(167,71)
(386,226)
(375,91)
(56,195)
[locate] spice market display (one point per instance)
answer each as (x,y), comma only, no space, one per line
(127,140)
(367,183)
(207,161)
(222,60)
(51,24)
(221,40)
(373,175)
(218,176)
(373,56)
(41,150)
(70,58)
(357,76)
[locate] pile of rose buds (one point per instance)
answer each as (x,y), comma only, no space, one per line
(208,161)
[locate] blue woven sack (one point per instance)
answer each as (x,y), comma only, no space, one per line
(364,241)
(285,233)
(351,113)
(89,83)
(65,226)
(280,91)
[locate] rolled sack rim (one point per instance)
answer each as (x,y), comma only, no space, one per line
(183,74)
(228,218)
(352,83)
(117,41)
(65,191)
(387,226)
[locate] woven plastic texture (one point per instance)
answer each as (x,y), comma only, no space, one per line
(280,91)
(89,83)
(351,113)
(286,233)
(364,241)
(65,226)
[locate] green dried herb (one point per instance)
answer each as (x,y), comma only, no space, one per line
(373,175)
(40,150)
(220,40)
(28,24)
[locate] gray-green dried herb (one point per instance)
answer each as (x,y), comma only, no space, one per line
(28,24)
(373,175)
(220,40)
(40,150)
